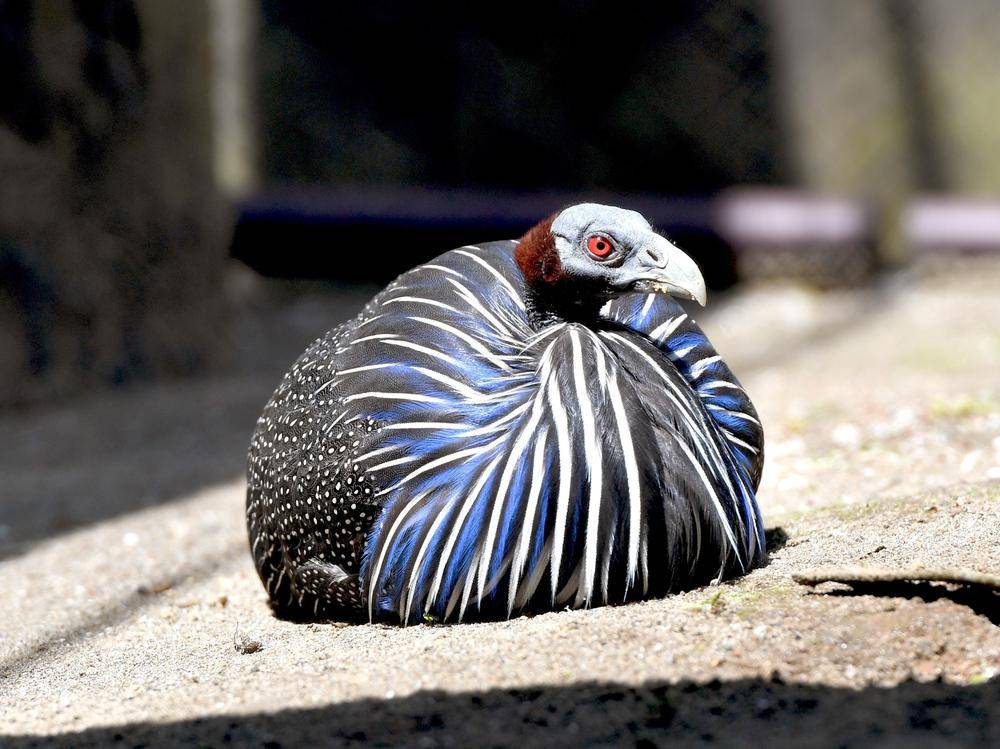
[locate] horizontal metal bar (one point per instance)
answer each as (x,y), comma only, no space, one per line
(964,224)
(454,206)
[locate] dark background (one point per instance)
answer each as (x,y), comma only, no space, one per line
(158,163)
(523,96)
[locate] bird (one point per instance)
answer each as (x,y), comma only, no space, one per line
(514,427)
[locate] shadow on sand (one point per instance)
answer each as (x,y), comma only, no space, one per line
(740,713)
(68,465)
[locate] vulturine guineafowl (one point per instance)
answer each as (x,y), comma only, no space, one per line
(515,426)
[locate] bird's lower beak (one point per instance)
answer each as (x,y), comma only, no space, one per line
(666,269)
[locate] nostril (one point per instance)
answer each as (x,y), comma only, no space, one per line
(655,257)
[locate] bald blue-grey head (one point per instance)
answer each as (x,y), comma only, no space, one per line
(608,250)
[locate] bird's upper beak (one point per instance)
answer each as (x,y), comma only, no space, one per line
(664,268)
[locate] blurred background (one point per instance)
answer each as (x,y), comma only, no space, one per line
(153,162)
(191,193)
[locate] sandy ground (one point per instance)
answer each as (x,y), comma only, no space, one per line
(126,579)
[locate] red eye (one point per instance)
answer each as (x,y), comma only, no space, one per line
(599,246)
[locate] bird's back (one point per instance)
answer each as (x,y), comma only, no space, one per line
(445,453)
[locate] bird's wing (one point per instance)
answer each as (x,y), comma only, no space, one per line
(664,322)
(442,364)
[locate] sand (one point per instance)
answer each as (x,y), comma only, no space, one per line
(127,584)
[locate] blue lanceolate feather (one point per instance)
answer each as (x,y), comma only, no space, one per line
(511,519)
(462,554)
(541,529)
(725,402)
(709,375)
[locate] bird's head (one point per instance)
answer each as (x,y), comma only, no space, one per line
(589,253)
